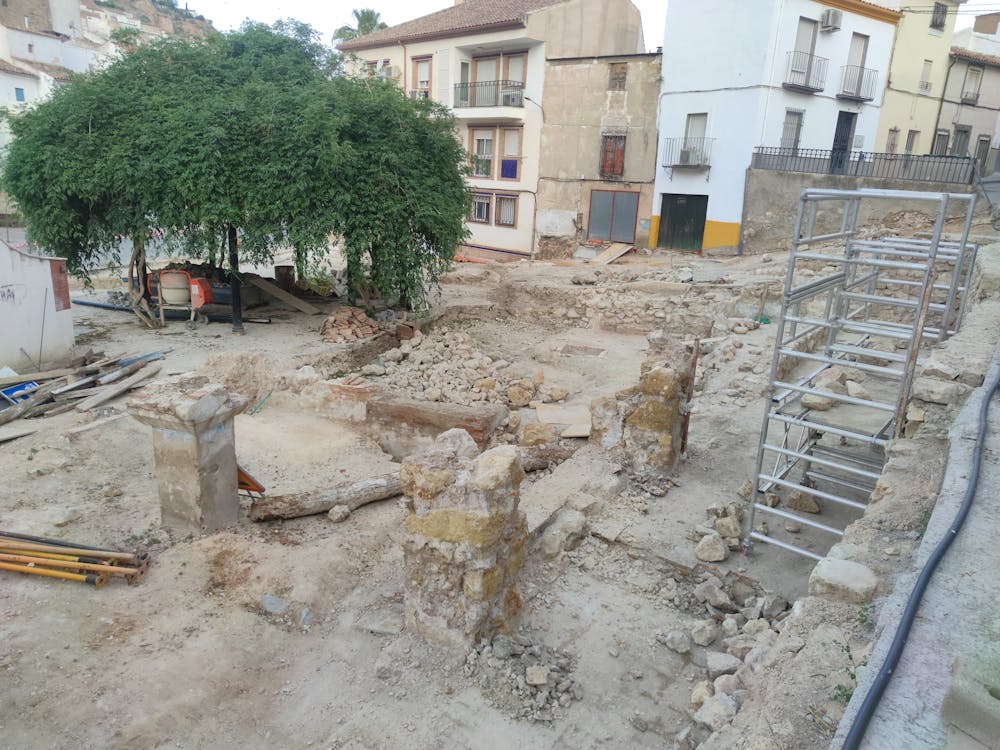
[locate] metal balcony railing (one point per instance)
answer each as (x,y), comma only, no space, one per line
(953,169)
(924,87)
(805,72)
(694,153)
(857,83)
(489,94)
(420,93)
(970,97)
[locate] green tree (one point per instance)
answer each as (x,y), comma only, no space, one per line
(242,134)
(366,21)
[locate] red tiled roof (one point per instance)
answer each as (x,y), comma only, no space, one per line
(8,67)
(466,17)
(56,71)
(971,56)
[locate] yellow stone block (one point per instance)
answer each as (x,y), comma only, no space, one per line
(458,526)
(655,416)
(424,481)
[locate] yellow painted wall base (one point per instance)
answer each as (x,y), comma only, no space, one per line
(720,234)
(654,232)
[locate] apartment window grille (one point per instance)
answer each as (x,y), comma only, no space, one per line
(939,16)
(506,211)
(612,155)
(481,203)
(617,76)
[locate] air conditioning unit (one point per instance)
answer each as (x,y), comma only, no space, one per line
(831,20)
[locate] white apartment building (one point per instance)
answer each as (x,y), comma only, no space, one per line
(792,76)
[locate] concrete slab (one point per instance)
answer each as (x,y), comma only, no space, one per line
(960,609)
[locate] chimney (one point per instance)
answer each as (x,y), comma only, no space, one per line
(986,24)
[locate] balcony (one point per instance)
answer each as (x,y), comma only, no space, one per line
(866,164)
(489,94)
(805,72)
(420,93)
(857,84)
(924,87)
(970,97)
(687,153)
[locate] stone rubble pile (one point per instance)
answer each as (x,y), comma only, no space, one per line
(347,324)
(738,640)
(722,533)
(524,678)
(446,366)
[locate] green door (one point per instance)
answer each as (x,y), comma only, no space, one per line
(682,221)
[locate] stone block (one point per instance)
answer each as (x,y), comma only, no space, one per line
(606,422)
(719,663)
(939,391)
(972,702)
(844,580)
(404,426)
(194,451)
(534,433)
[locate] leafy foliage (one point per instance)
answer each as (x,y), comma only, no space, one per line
(367,21)
(187,138)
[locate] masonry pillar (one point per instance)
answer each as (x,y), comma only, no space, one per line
(466,540)
(194,451)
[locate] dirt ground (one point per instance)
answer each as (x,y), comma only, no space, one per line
(193,658)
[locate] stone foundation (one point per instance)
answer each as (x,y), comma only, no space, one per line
(466,540)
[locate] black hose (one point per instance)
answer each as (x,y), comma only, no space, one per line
(170,314)
(54,542)
(867,709)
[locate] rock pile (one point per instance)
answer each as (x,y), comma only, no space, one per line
(447,366)
(348,324)
(526,679)
(721,535)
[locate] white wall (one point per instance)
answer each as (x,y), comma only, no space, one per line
(27,298)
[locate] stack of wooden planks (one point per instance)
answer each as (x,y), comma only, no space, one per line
(88,382)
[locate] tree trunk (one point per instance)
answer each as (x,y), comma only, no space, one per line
(234,280)
(310,503)
(382,487)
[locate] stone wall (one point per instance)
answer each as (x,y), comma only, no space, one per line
(466,540)
(772,199)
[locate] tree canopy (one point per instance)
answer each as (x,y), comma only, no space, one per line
(244,130)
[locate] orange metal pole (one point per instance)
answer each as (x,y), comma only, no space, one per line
(110,569)
(95,580)
(29,546)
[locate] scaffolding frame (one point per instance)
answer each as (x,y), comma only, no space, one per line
(865,305)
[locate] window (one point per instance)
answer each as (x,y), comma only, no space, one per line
(377,67)
(506,215)
(482,152)
(892,140)
(791,130)
(612,155)
(31,49)
(422,77)
(510,161)
(939,16)
(912,138)
(960,145)
(19,94)
(940,147)
(481,203)
(617,76)
(925,77)
(973,81)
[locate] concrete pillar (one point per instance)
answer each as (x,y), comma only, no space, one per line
(466,540)
(194,451)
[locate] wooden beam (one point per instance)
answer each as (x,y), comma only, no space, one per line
(37,376)
(113,391)
(281,294)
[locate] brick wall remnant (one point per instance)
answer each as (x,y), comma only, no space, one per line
(466,540)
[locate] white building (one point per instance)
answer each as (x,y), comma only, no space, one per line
(737,75)
(34,308)
(487,61)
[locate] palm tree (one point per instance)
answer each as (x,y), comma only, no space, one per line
(367,21)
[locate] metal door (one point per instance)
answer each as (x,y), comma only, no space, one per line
(682,221)
(842,138)
(612,215)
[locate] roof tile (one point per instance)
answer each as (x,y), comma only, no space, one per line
(467,16)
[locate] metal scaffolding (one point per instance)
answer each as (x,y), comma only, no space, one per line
(855,308)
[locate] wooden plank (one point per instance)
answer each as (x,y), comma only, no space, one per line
(14,434)
(118,389)
(612,254)
(281,294)
(37,376)
(39,396)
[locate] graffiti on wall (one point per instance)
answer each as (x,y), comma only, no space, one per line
(13,294)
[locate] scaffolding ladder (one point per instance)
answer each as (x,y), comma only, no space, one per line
(864,305)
